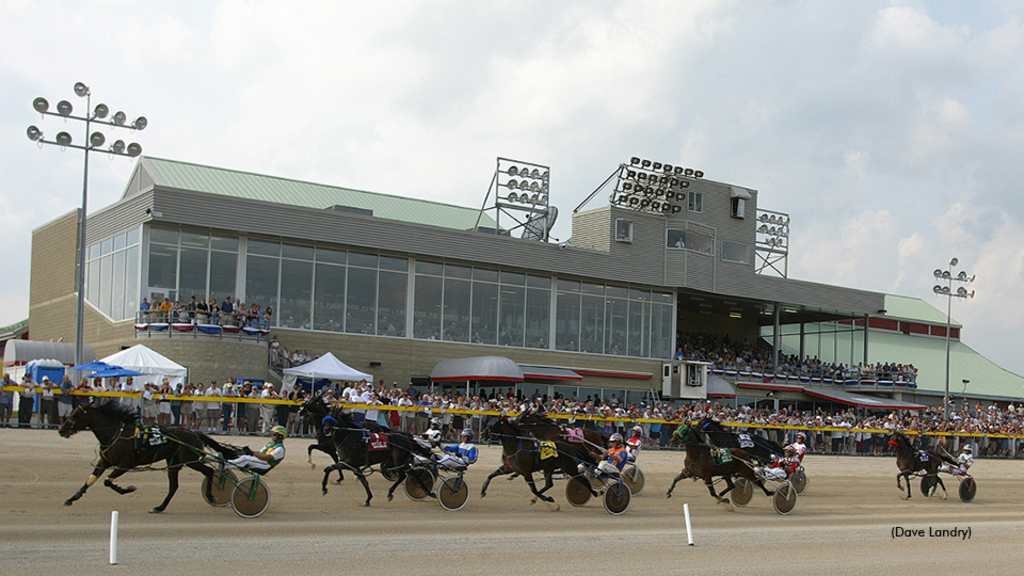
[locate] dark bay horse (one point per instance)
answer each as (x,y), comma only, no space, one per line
(313,411)
(522,455)
(914,462)
(356,451)
(124,447)
(545,428)
(707,462)
(761,449)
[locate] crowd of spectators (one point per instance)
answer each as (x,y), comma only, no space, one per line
(225,313)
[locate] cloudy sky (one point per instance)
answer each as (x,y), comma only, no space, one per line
(892,132)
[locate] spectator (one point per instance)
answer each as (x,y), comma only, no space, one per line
(6,400)
(47,405)
(26,402)
(66,402)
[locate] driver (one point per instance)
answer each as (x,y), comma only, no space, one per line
(432,436)
(635,442)
(964,461)
(799,446)
(781,468)
(613,459)
(268,456)
(459,455)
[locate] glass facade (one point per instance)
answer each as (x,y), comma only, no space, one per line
(112,275)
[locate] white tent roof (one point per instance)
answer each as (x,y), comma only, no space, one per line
(327,366)
(150,363)
(19,352)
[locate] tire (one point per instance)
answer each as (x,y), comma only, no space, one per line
(742,493)
(453,493)
(250,498)
(800,480)
(223,483)
(928,484)
(577,491)
(634,479)
(419,482)
(784,499)
(616,498)
(968,489)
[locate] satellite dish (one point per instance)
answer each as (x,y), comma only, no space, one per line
(538,225)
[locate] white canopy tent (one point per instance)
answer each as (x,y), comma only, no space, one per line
(154,366)
(325,367)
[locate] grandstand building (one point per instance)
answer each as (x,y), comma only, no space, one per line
(394,285)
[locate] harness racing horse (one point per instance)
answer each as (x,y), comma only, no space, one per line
(701,463)
(522,455)
(124,447)
(761,449)
(545,428)
(914,462)
(357,450)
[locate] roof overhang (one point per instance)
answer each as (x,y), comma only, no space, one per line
(493,368)
(863,401)
(548,373)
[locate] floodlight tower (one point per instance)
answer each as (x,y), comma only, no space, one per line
(960,293)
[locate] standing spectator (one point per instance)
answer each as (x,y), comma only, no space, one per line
(297,395)
(28,397)
(149,409)
(227,408)
(202,312)
(252,409)
(227,310)
(212,408)
(190,310)
(66,402)
(266,408)
(163,403)
(186,405)
(6,400)
(176,404)
(129,387)
(405,415)
(165,310)
(144,310)
(47,407)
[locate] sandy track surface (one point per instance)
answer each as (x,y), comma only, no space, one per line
(843,524)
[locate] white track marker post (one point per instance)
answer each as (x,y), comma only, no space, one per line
(689,529)
(113,536)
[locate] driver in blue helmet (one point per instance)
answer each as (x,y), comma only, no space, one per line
(459,455)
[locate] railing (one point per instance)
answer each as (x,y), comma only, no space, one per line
(190,323)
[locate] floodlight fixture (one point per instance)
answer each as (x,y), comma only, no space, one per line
(64,108)
(134,150)
(119,118)
(34,134)
(117,147)
(101,111)
(41,105)
(97,139)
(81,89)
(961,293)
(63,139)
(140,123)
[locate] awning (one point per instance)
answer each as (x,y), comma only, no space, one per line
(495,368)
(548,373)
(875,402)
(720,388)
(20,352)
(771,386)
(737,192)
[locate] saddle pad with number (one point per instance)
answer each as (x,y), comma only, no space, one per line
(547,449)
(575,435)
(923,456)
(745,441)
(151,436)
(377,442)
(721,456)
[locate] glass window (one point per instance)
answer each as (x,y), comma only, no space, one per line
(696,202)
(513,279)
(226,243)
(735,252)
(427,316)
(676,239)
(223,274)
(592,324)
(396,264)
(163,266)
(568,285)
(107,246)
(663,297)
(94,251)
(119,242)
(511,315)
(361,300)
(635,294)
(615,327)
(117,287)
(661,331)
(452,271)
(699,242)
(195,240)
(432,268)
(597,289)
(192,279)
(329,303)
(106,278)
(131,281)
(296,293)
(132,237)
(539,282)
(263,248)
(260,282)
(362,260)
(538,317)
(567,322)
(638,341)
(456,308)
(391,302)
(297,252)
(485,275)
(617,292)
(163,235)
(92,282)
(333,256)
(485,312)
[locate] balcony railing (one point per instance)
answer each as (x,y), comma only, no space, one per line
(189,323)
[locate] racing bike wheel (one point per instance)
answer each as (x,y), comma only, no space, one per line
(785,498)
(928,484)
(800,480)
(250,498)
(968,489)
(222,483)
(743,491)
(616,498)
(453,493)
(634,479)
(418,483)
(577,491)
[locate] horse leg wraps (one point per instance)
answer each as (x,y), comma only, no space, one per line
(91,480)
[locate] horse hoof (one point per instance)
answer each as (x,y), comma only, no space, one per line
(156,510)
(669,495)
(324,493)
(366,504)
(392,497)
(336,482)
(558,508)
(312,466)
(129,490)
(69,502)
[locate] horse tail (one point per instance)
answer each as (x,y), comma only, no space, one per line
(229,452)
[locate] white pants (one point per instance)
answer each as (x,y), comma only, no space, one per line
(608,468)
(251,463)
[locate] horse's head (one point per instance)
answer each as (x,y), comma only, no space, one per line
(898,440)
(76,422)
(685,434)
(313,409)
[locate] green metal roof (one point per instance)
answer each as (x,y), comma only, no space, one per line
(10,331)
(906,308)
(224,182)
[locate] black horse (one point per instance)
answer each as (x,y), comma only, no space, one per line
(761,449)
(540,426)
(707,462)
(125,446)
(914,462)
(522,455)
(357,450)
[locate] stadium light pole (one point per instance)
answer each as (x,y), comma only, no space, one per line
(948,292)
(93,143)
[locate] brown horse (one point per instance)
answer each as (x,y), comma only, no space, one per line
(914,462)
(124,447)
(707,462)
(540,426)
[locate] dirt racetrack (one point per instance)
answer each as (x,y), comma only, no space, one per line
(843,524)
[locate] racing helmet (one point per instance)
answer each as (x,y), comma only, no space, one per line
(615,437)
(468,433)
(967,448)
(329,421)
(280,430)
(435,422)
(801,436)
(638,431)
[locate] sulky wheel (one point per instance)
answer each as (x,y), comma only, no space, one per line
(419,482)
(634,479)
(616,498)
(800,480)
(577,490)
(453,493)
(250,498)
(928,484)
(223,483)
(968,489)
(742,493)
(784,499)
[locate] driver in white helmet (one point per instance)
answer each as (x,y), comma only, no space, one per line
(433,434)
(612,460)
(799,447)
(964,461)
(459,455)
(635,442)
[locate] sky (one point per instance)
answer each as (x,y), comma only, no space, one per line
(891,132)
